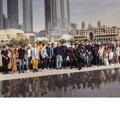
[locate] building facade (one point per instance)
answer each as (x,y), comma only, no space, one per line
(5,22)
(96,33)
(28,16)
(13,17)
(57,18)
(7,34)
(1,14)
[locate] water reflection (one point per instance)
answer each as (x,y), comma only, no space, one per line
(104,83)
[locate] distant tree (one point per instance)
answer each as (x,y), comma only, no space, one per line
(2,41)
(23,42)
(13,42)
(45,42)
(62,41)
(71,41)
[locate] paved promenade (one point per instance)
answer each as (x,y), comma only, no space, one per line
(52,72)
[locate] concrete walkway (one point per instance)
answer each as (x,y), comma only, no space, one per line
(52,72)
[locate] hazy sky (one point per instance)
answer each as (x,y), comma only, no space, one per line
(88,10)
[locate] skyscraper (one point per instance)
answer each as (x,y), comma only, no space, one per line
(28,16)
(47,15)
(12,9)
(5,22)
(65,13)
(57,17)
(1,14)
(74,26)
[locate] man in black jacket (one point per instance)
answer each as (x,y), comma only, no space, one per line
(21,53)
(71,55)
(64,55)
(5,59)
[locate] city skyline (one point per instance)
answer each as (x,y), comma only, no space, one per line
(106,11)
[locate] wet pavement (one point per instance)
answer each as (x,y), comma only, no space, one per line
(100,83)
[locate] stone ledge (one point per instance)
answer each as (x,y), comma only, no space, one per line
(52,72)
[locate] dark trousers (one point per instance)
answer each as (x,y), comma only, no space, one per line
(5,66)
(95,60)
(44,63)
(53,63)
(79,63)
(64,61)
(40,61)
(48,62)
(73,61)
(21,65)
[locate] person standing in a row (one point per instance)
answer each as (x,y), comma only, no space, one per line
(44,57)
(21,53)
(28,57)
(35,57)
(5,59)
(64,55)
(58,54)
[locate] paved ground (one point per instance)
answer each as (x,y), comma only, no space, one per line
(52,72)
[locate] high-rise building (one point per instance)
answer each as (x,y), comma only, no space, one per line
(47,15)
(5,22)
(28,16)
(12,9)
(65,14)
(74,26)
(57,17)
(1,14)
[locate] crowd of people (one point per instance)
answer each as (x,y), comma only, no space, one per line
(78,54)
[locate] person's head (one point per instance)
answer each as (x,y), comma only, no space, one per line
(35,45)
(111,41)
(76,41)
(23,47)
(58,44)
(52,44)
(4,47)
(7,47)
(29,46)
(76,45)
(95,41)
(16,49)
(43,45)
(48,45)
(40,43)
(89,43)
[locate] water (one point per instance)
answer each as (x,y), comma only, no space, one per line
(105,83)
